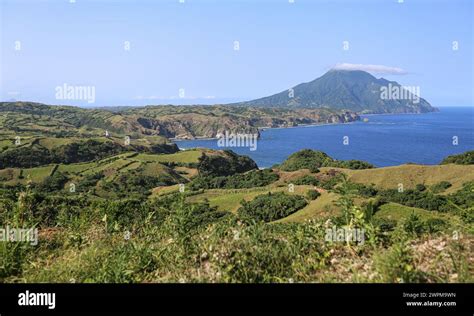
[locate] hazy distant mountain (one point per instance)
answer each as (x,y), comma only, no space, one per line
(356,91)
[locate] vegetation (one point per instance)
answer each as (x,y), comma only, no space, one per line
(343,90)
(466,158)
(312,160)
(313,194)
(168,239)
(251,179)
(185,122)
(440,187)
(271,207)
(146,212)
(78,151)
(227,164)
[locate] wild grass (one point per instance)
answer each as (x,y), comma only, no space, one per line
(171,240)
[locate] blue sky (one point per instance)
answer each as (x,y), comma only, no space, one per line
(190,46)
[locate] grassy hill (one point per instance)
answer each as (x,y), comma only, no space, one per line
(185,122)
(230,222)
(411,175)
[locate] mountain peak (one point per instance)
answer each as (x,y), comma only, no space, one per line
(341,89)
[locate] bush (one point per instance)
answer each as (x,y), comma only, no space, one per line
(434,225)
(89,181)
(333,181)
(312,194)
(306,180)
(385,224)
(420,187)
(85,151)
(52,183)
(224,165)
(251,179)
(134,183)
(464,197)
(397,265)
(312,160)
(466,158)
(415,198)
(413,225)
(271,207)
(440,187)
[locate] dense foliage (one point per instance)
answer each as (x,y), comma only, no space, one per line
(466,158)
(415,198)
(312,160)
(312,194)
(171,240)
(226,164)
(272,206)
(253,178)
(135,184)
(80,151)
(440,187)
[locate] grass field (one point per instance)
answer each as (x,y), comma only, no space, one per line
(322,207)
(229,199)
(400,212)
(411,175)
(185,156)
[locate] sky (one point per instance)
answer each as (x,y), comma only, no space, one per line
(208,52)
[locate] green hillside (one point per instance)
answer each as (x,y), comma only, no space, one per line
(145,211)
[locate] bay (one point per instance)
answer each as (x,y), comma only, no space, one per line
(385,140)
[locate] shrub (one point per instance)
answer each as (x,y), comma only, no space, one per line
(464,197)
(312,194)
(420,187)
(415,198)
(271,207)
(52,183)
(251,179)
(224,165)
(385,224)
(434,225)
(440,187)
(306,180)
(306,159)
(413,225)
(396,264)
(312,160)
(466,158)
(89,181)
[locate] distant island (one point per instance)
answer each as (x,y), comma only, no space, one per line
(339,96)
(349,90)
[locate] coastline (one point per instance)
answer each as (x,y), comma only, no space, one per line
(361,116)
(414,142)
(260,129)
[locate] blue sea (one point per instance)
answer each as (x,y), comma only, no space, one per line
(385,140)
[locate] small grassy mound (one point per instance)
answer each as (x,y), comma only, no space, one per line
(271,207)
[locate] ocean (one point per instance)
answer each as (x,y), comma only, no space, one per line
(384,140)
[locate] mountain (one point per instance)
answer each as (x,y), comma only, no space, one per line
(352,90)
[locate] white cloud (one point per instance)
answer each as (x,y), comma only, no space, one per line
(375,69)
